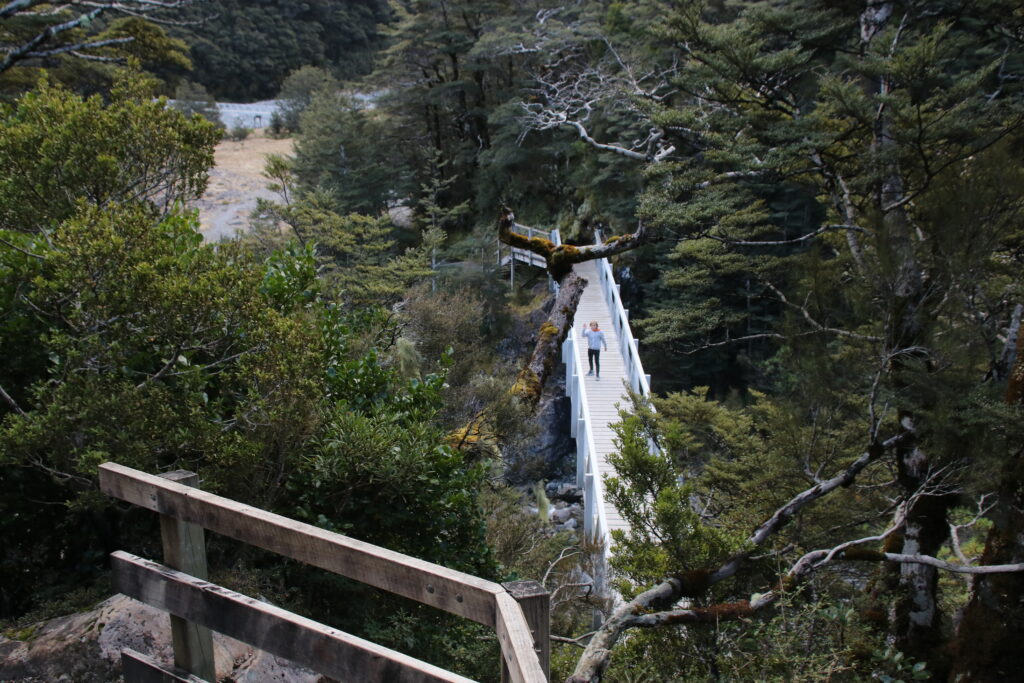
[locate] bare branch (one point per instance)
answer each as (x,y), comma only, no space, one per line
(816,324)
(570,88)
(954,532)
(949,566)
(634,613)
(11,402)
(16,6)
(796,240)
(572,550)
(23,251)
(843,201)
(726,177)
(37,46)
(25,50)
(589,585)
(561,258)
(74,49)
(573,641)
(733,340)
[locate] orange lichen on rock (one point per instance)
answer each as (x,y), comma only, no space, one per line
(475,438)
(528,385)
(547,331)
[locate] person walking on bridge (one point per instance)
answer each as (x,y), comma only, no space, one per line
(595,340)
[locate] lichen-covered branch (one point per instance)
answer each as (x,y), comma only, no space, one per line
(552,333)
(561,258)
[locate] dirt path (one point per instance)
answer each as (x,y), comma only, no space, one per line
(236,181)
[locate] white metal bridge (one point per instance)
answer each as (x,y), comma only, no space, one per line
(595,403)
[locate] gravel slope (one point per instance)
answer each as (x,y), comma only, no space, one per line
(236,181)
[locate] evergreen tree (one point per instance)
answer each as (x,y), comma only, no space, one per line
(243,51)
(888,127)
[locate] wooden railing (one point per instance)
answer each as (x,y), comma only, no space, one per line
(518,612)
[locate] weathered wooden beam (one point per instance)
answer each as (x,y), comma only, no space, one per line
(184,546)
(269,628)
(535,602)
(516,641)
(138,668)
(455,592)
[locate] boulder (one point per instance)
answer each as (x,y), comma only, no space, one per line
(86,648)
(560,515)
(564,491)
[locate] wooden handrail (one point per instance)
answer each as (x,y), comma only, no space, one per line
(267,627)
(452,591)
(456,592)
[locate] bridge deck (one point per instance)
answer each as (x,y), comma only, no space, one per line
(602,397)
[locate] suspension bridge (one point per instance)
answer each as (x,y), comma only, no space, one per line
(595,402)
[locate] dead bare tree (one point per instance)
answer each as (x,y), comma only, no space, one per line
(569,90)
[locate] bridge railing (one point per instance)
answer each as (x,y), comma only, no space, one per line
(638,380)
(525,255)
(588,475)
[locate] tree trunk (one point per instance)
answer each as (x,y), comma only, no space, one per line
(914,615)
(987,645)
(554,330)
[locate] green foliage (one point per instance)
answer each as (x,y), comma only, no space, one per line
(345,150)
(192,98)
(80,46)
(667,535)
(59,149)
(245,50)
(151,45)
(138,343)
(297,93)
(276,129)
(356,255)
(238,133)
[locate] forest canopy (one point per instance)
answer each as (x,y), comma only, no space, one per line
(815,212)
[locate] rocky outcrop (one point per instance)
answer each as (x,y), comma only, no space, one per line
(86,648)
(553,445)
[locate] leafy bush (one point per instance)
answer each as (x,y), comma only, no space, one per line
(238,133)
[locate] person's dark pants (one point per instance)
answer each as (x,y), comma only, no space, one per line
(594,359)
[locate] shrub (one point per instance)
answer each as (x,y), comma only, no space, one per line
(238,133)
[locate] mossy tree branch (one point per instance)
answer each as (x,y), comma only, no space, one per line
(561,258)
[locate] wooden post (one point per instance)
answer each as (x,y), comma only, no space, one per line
(534,600)
(185,550)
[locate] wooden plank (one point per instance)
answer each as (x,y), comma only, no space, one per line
(138,668)
(269,628)
(455,592)
(184,548)
(516,643)
(535,601)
